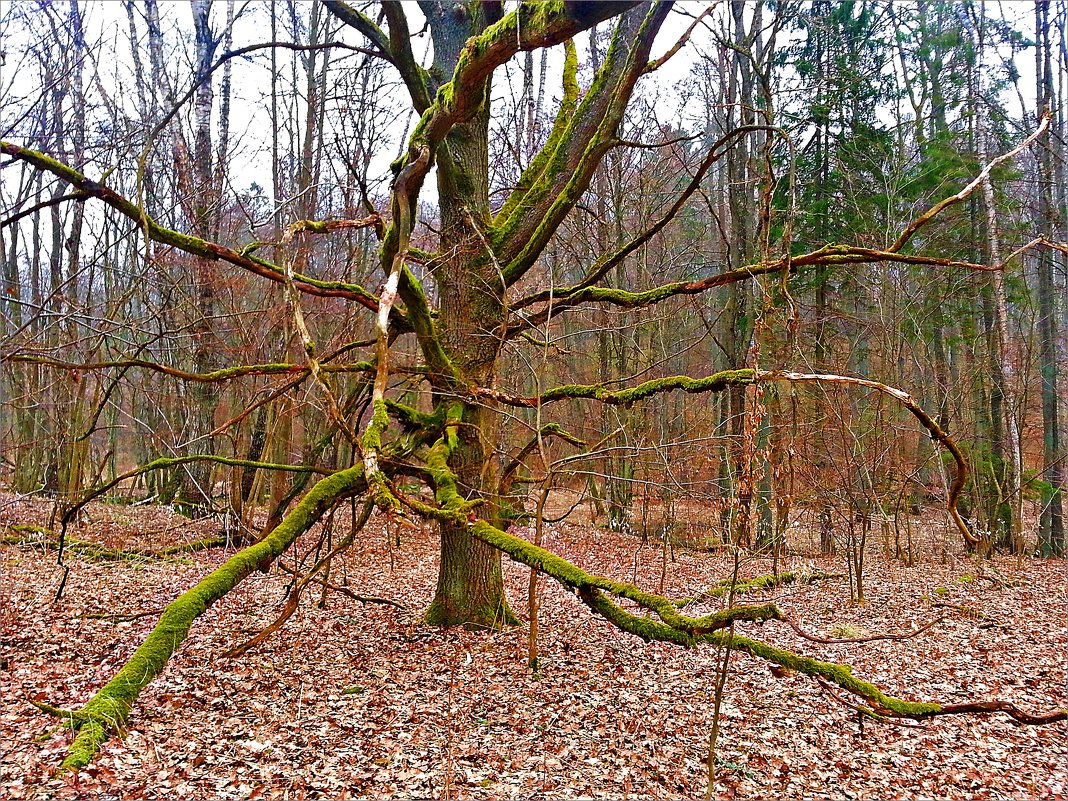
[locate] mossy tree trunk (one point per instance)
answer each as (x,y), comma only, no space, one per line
(470,589)
(477,251)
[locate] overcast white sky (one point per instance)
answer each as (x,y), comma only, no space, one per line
(108,38)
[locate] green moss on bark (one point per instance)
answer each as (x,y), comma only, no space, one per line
(730,587)
(717,382)
(108,710)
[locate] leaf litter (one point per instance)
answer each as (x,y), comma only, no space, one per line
(362,700)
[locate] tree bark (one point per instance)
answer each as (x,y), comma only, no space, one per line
(1051,523)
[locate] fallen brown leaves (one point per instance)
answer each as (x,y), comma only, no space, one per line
(362,700)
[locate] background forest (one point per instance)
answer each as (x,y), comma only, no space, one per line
(635,295)
(879,111)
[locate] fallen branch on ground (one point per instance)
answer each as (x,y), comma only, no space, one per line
(49,540)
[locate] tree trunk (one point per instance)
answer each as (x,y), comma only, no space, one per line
(470,589)
(1051,524)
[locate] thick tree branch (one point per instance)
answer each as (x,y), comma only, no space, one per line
(717,382)
(566,298)
(419,83)
(604,265)
(531,26)
(184,242)
(362,23)
(536,169)
(531,222)
(109,709)
(396,46)
(679,629)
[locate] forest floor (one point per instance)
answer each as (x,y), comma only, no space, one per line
(362,700)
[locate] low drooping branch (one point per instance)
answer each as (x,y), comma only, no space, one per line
(674,627)
(960,478)
(718,382)
(109,709)
(908,635)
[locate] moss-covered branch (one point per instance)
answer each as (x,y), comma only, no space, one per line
(109,709)
(190,244)
(215,376)
(48,539)
(674,627)
(535,172)
(565,298)
(717,382)
(396,47)
(416,79)
(531,26)
(372,446)
(761,583)
(609,262)
(690,632)
(532,220)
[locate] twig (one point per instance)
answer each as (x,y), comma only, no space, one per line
(873,638)
(937,208)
